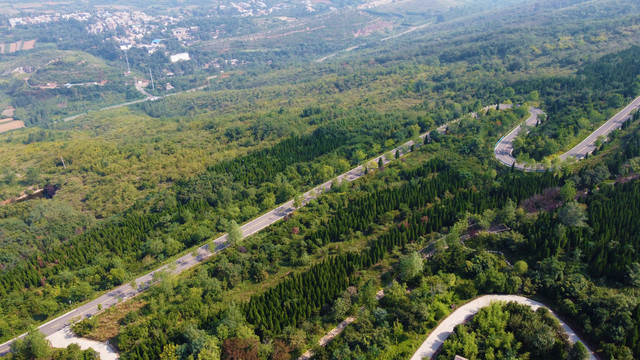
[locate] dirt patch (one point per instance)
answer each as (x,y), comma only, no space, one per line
(547,201)
(49,191)
(4,127)
(626,179)
(8,112)
(108,322)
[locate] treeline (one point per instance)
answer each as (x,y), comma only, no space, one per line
(119,248)
(630,145)
(609,243)
(575,103)
(303,295)
(259,167)
(360,213)
(123,238)
(425,185)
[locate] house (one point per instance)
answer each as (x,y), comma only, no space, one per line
(180,57)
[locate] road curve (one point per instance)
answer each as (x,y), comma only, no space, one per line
(189,260)
(504,147)
(467,311)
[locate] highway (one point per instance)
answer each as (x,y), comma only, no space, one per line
(504,147)
(191,259)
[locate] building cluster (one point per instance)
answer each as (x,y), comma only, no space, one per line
(131,26)
(134,25)
(48,18)
(257,7)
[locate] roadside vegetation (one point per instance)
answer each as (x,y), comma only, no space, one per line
(138,186)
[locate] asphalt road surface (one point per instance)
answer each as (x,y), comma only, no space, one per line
(187,261)
(466,312)
(588,145)
(148,97)
(504,147)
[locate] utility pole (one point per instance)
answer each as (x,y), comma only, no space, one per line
(63,164)
(127,58)
(152,84)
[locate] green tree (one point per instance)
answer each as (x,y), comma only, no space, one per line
(359,156)
(234,232)
(521,267)
(31,347)
(633,274)
(411,266)
(568,191)
(578,352)
(169,352)
(268,201)
(573,214)
(33,175)
(507,214)
(210,350)
(414,130)
(398,330)
(367,296)
(615,100)
(341,307)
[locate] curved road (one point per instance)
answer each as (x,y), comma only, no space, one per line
(187,261)
(504,147)
(467,311)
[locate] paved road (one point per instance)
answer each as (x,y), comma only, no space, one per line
(187,261)
(587,146)
(504,147)
(148,97)
(465,312)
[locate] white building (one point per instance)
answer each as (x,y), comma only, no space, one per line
(180,57)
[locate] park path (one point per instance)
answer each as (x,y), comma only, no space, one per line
(464,313)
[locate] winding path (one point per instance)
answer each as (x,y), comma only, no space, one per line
(504,147)
(467,311)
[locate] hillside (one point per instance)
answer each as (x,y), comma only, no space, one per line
(132,188)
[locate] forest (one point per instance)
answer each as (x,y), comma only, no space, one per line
(577,105)
(395,251)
